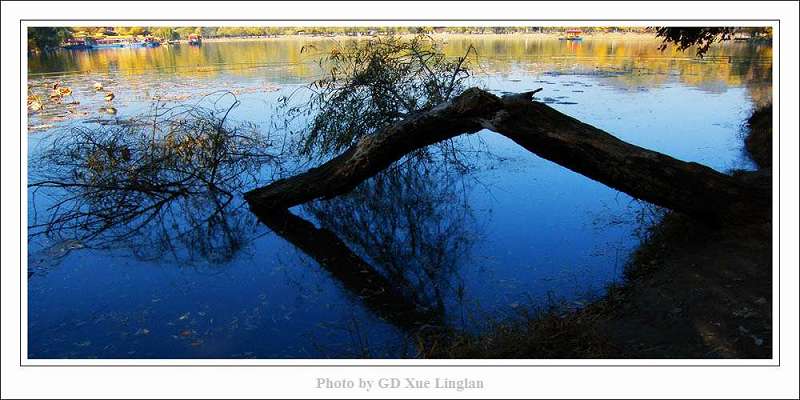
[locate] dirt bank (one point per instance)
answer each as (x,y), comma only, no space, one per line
(690,291)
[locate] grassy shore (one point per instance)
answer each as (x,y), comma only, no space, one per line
(689,291)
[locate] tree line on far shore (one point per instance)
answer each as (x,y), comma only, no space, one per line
(40,38)
(47,37)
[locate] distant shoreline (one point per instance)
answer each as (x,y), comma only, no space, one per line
(533,35)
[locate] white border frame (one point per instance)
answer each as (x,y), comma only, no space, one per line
(774,361)
(742,380)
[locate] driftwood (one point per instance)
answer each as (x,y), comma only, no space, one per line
(686,187)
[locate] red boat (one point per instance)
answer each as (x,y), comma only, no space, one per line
(195,39)
(572,34)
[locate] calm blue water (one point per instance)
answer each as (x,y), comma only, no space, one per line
(517,233)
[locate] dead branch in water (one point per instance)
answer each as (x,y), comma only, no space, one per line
(686,187)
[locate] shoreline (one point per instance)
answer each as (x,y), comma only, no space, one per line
(531,35)
(690,290)
(536,36)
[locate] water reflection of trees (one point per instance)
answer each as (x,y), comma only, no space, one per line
(363,281)
(164,182)
(412,220)
(632,61)
(730,63)
(396,241)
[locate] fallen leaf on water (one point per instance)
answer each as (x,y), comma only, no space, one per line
(142,331)
(35,105)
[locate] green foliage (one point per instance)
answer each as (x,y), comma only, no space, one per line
(165,32)
(370,84)
(42,38)
(183,32)
(131,30)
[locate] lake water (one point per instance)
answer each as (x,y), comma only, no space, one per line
(514,234)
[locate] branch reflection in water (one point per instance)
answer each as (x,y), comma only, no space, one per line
(395,243)
(170,182)
(166,182)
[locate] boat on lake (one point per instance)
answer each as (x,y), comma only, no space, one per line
(149,42)
(109,43)
(88,42)
(127,43)
(195,40)
(78,43)
(572,34)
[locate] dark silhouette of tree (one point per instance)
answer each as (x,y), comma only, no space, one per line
(701,37)
(43,38)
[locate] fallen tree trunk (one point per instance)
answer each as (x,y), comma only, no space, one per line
(373,154)
(685,187)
